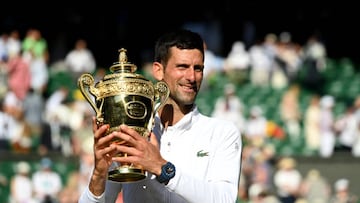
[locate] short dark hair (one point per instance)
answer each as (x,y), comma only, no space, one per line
(182,39)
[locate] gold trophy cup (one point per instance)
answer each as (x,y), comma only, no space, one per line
(124,97)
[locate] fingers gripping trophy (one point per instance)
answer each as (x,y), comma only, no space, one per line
(124,97)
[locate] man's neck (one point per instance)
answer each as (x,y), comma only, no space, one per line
(170,114)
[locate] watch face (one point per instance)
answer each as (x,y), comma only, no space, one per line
(169,169)
(167,172)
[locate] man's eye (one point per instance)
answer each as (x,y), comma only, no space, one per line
(199,69)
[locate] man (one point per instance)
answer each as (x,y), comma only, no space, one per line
(189,157)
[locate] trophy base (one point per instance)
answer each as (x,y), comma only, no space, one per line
(126,174)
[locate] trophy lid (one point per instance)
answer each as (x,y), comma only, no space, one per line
(123,65)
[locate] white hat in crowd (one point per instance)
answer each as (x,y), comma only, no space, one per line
(341,184)
(327,101)
(23,167)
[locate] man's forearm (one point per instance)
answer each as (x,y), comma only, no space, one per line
(97,184)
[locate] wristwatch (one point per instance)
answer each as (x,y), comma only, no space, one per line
(167,172)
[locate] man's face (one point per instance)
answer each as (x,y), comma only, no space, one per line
(184,74)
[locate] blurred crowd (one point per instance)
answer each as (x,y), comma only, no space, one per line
(34,119)
(278,63)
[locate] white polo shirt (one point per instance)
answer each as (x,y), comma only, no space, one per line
(207,155)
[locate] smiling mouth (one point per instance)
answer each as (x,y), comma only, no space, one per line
(190,90)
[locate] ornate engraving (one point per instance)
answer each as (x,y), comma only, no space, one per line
(136,110)
(126,86)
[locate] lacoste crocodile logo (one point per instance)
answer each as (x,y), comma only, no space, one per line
(201,153)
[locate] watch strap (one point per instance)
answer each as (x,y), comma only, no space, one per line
(167,172)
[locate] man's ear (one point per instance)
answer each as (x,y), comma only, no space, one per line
(157,70)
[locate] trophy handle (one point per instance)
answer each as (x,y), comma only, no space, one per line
(86,84)
(162,93)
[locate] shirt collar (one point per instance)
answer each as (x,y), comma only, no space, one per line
(183,124)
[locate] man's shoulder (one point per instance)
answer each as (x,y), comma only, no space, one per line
(216,122)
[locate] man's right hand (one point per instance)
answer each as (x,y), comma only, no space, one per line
(103,153)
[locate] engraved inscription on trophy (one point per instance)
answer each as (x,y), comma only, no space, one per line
(124,97)
(136,110)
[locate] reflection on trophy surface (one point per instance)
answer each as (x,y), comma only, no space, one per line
(124,97)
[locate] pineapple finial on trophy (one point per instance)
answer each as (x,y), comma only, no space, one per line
(122,55)
(123,65)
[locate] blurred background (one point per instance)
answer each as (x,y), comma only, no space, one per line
(108,27)
(290,69)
